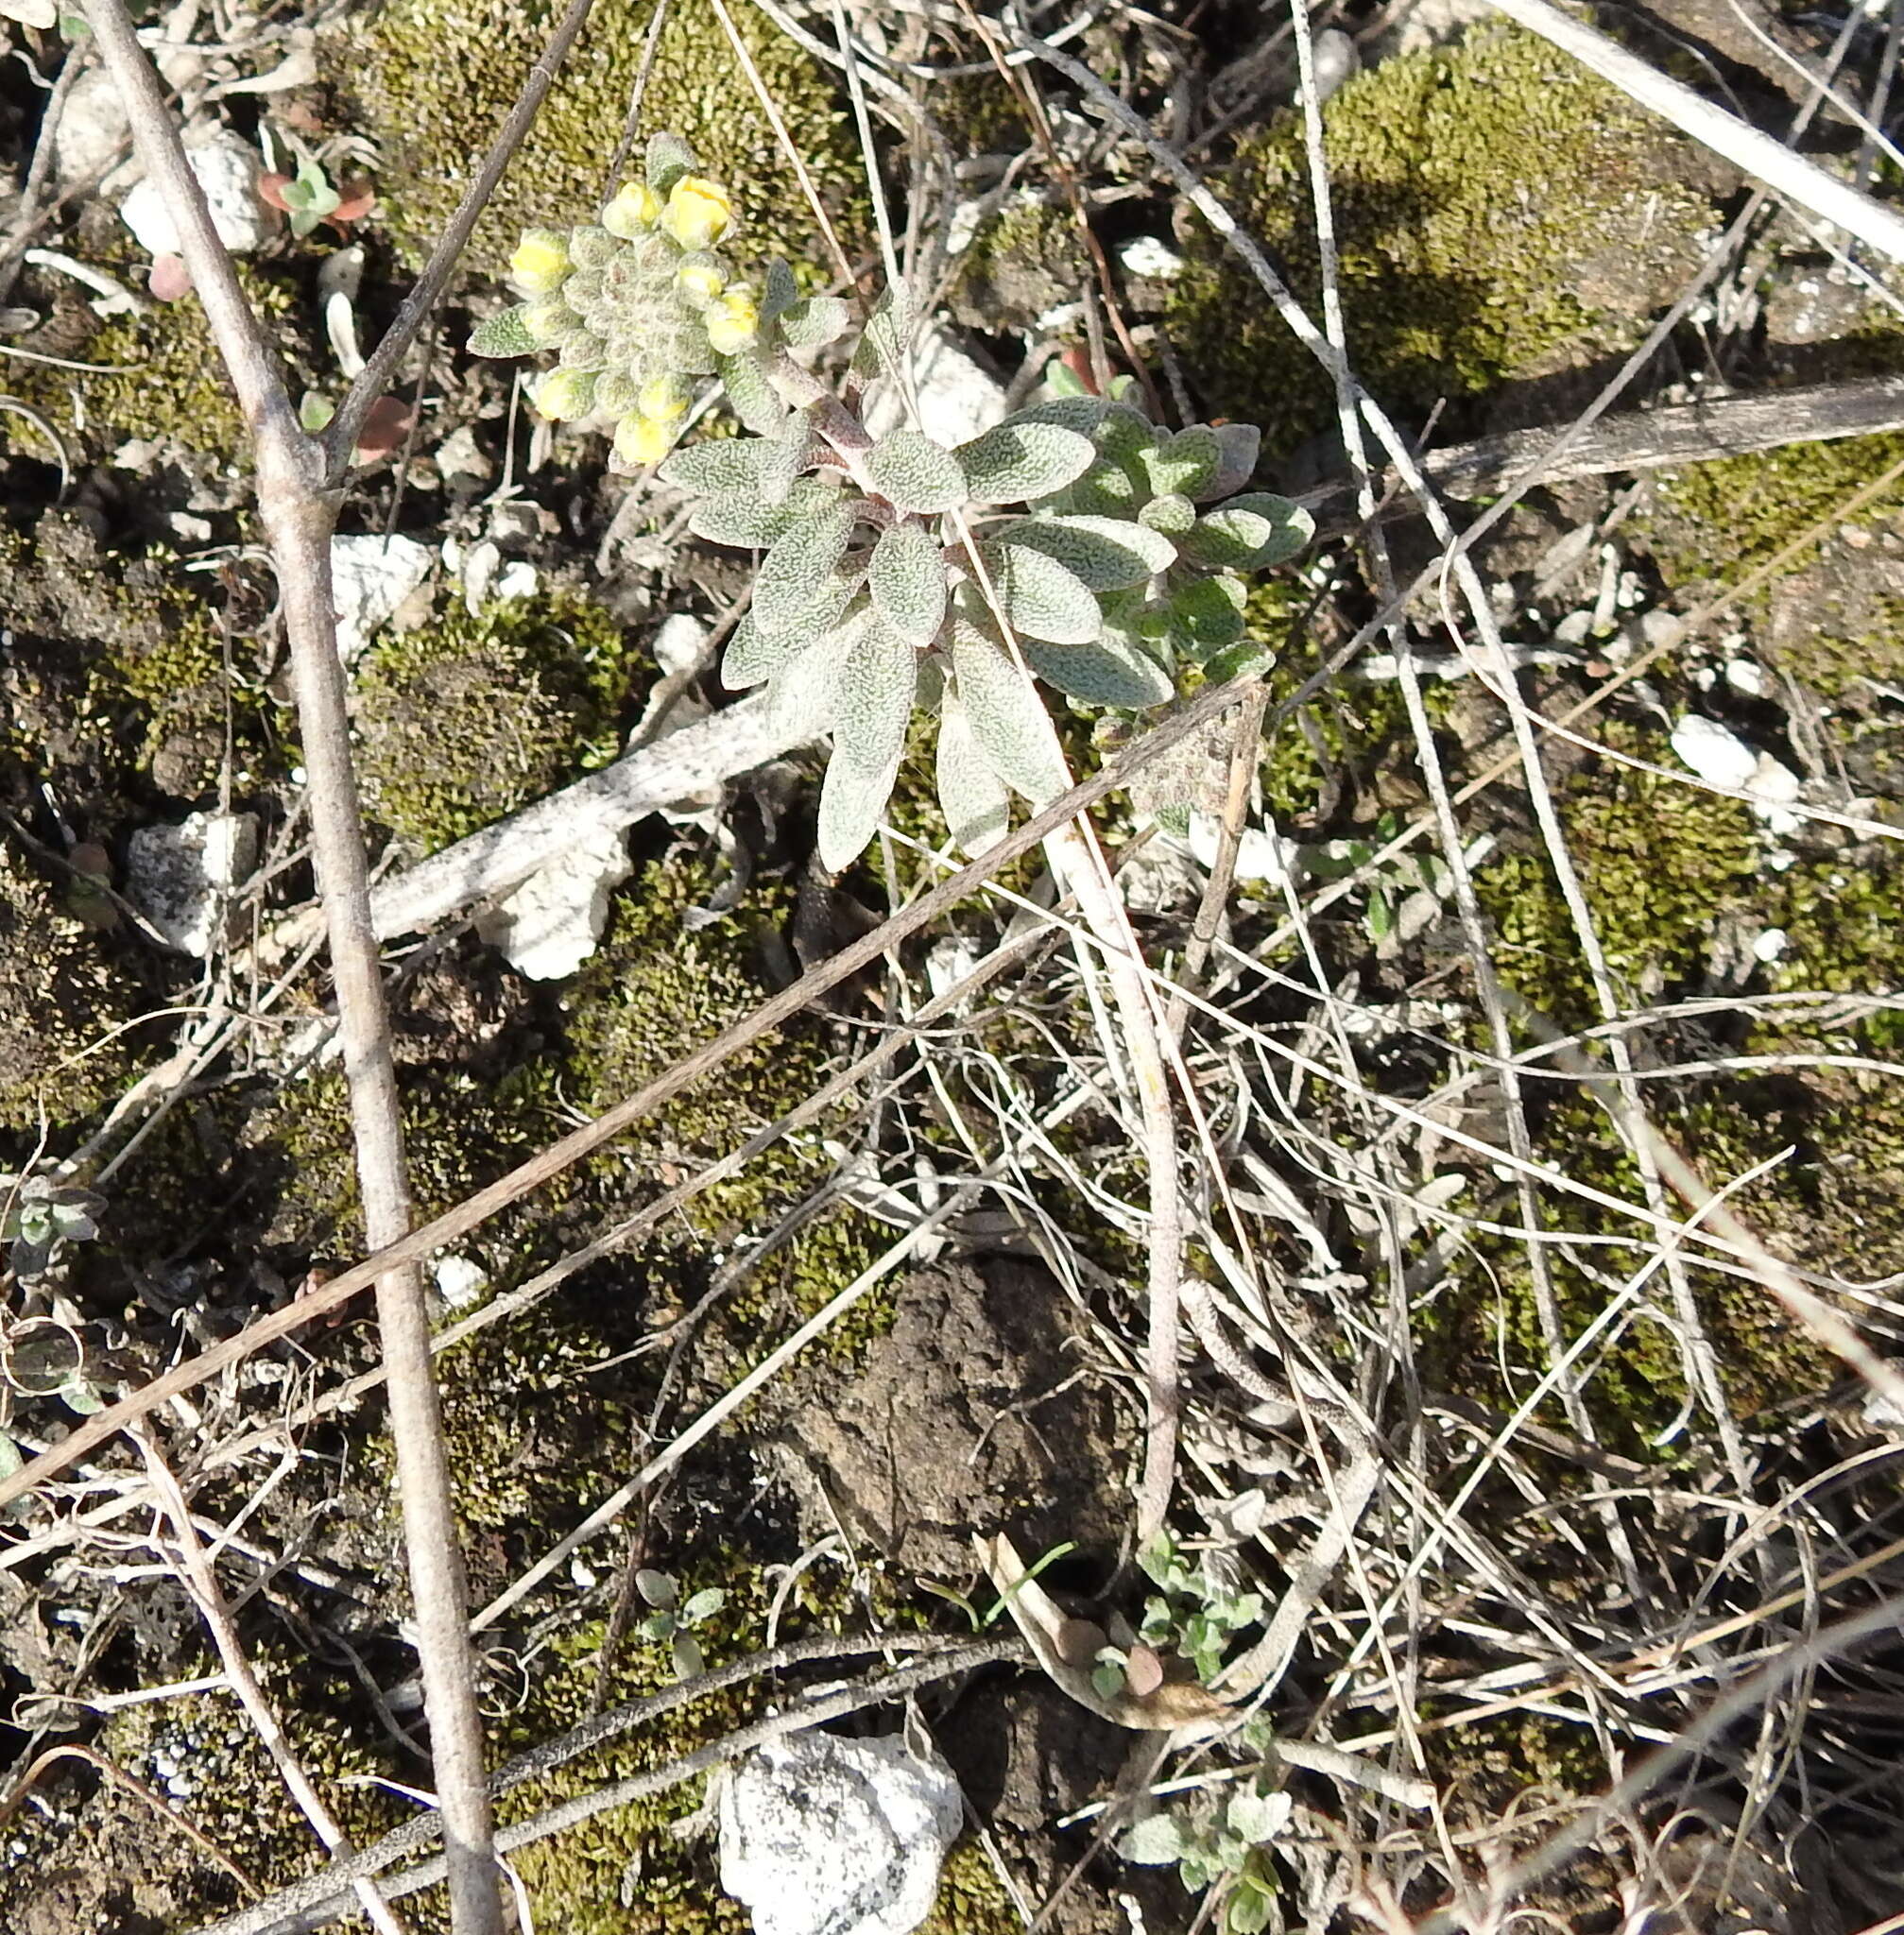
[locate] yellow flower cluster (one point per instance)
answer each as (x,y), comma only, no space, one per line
(639,304)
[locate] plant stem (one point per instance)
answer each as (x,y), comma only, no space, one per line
(298,517)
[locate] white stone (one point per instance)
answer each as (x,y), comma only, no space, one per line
(1336,60)
(459,1280)
(179,876)
(1260,855)
(1770,945)
(957,399)
(1744,675)
(371,576)
(825,1835)
(1715,752)
(547,927)
(1144,255)
(678,642)
(226,169)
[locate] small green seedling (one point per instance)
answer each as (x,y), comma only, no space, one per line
(1076,543)
(1193,1612)
(1392,881)
(668,1623)
(1222,1841)
(37,1216)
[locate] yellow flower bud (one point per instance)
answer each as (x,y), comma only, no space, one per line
(733,322)
(633,212)
(539,263)
(698,212)
(641,440)
(565,394)
(665,398)
(701,279)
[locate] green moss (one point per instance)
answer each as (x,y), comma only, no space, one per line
(469,718)
(1716,522)
(161,376)
(436,79)
(1472,186)
(62,1008)
(1659,862)
(655,992)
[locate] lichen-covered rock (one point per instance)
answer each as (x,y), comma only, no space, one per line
(1501,213)
(436,79)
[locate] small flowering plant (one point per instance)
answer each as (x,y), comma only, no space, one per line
(639,305)
(1075,544)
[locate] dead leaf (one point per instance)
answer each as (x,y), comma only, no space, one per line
(1172,1707)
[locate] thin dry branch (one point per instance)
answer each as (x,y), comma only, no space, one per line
(318,1898)
(91,1432)
(298,517)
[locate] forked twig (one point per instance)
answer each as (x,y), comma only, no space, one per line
(299,514)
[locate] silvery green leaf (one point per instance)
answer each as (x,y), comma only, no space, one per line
(756,402)
(818,320)
(1082,414)
(1249,533)
(908,582)
(745,518)
(1111,670)
(669,158)
(1209,613)
(873,691)
(703,1605)
(972,798)
(800,693)
(781,291)
(1006,717)
(753,655)
(1172,515)
(784,456)
(1104,491)
(914,473)
(1235,660)
(1257,1818)
(720,463)
(1125,435)
(1153,1843)
(1183,466)
(1108,554)
(1241,443)
(1043,599)
(506,333)
(1016,462)
(882,349)
(852,804)
(795,574)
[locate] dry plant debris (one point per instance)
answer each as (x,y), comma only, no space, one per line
(1334,1320)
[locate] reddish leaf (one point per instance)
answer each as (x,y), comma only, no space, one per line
(271,189)
(386,425)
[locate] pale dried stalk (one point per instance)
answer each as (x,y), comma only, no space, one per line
(298,516)
(201,1579)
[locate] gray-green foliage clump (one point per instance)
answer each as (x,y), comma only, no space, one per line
(1076,542)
